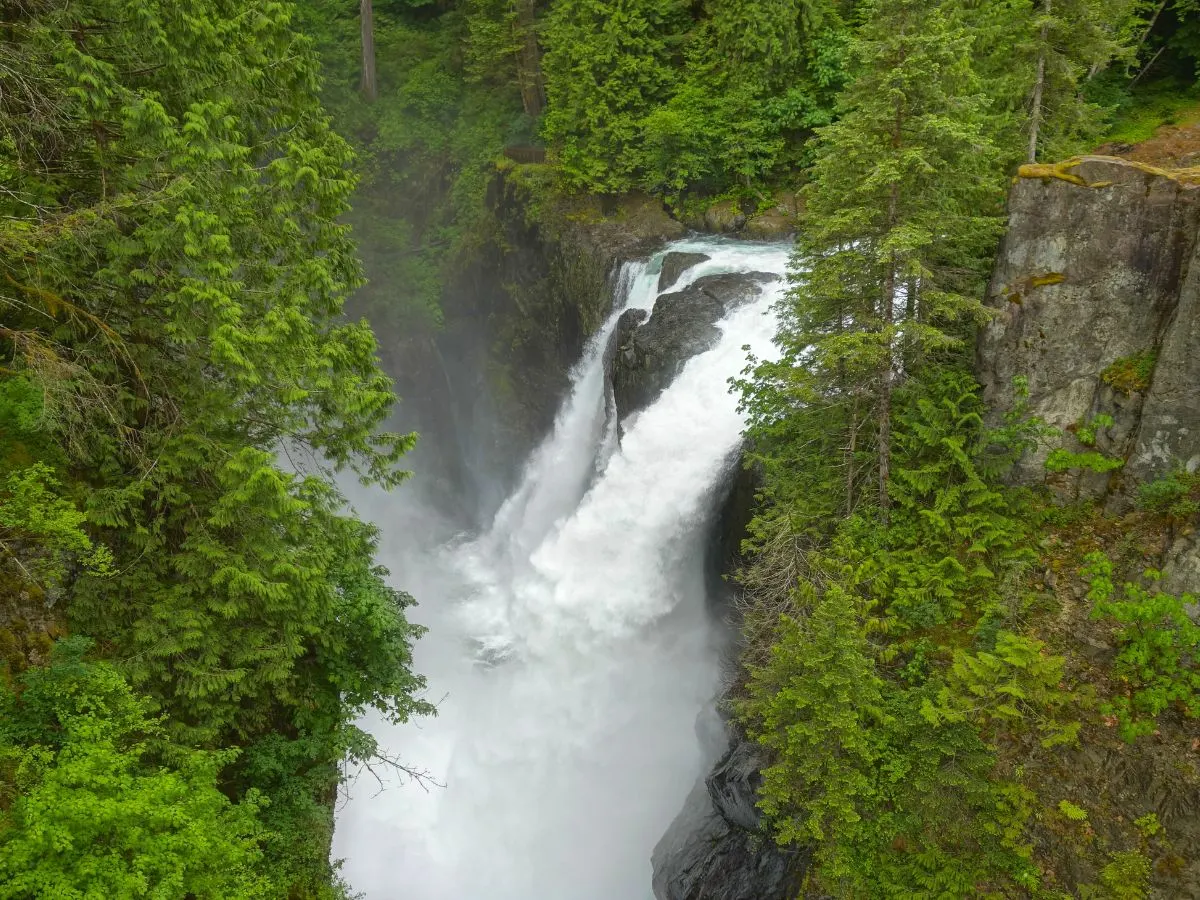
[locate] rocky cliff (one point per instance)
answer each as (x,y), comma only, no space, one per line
(1097,303)
(1096,300)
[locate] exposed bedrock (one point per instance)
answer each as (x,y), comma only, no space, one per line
(645,355)
(1096,294)
(715,849)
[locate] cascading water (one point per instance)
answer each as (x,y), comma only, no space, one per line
(569,648)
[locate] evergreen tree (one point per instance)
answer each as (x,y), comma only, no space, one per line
(503,48)
(175,271)
(1036,57)
(901,213)
(814,706)
(608,63)
(778,40)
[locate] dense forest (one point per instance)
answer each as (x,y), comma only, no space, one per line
(191,620)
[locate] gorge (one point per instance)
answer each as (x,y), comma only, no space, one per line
(573,642)
(600,450)
(576,641)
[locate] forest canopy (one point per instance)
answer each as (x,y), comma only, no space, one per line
(191,618)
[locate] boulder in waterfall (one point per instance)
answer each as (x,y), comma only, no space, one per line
(675,264)
(724,216)
(643,358)
(770,226)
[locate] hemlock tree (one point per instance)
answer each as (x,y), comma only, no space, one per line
(1070,38)
(368,85)
(1036,57)
(778,39)
(901,212)
(502,47)
(757,78)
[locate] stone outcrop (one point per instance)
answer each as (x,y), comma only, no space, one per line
(643,357)
(675,264)
(1096,294)
(715,849)
(724,216)
(773,222)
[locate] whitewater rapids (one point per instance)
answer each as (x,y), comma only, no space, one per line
(570,647)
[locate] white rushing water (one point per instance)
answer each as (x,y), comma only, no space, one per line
(569,647)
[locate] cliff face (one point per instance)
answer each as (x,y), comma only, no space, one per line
(1097,300)
(1096,292)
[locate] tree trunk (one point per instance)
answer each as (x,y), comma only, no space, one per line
(885,388)
(1149,28)
(529,60)
(368,86)
(888,315)
(1039,85)
(909,351)
(850,458)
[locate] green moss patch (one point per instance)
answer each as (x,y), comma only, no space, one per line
(1131,374)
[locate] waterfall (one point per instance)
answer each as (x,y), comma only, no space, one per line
(570,649)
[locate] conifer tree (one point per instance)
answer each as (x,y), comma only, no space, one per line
(607,64)
(175,270)
(1035,57)
(902,209)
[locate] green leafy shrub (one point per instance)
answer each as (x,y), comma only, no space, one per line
(1127,876)
(42,532)
(896,804)
(95,802)
(953,530)
(1087,432)
(1061,460)
(1158,647)
(1072,812)
(1015,686)
(1176,496)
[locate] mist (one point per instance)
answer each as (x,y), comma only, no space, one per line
(571,645)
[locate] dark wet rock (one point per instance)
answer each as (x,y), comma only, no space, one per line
(708,854)
(734,502)
(675,264)
(733,289)
(643,358)
(734,782)
(651,355)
